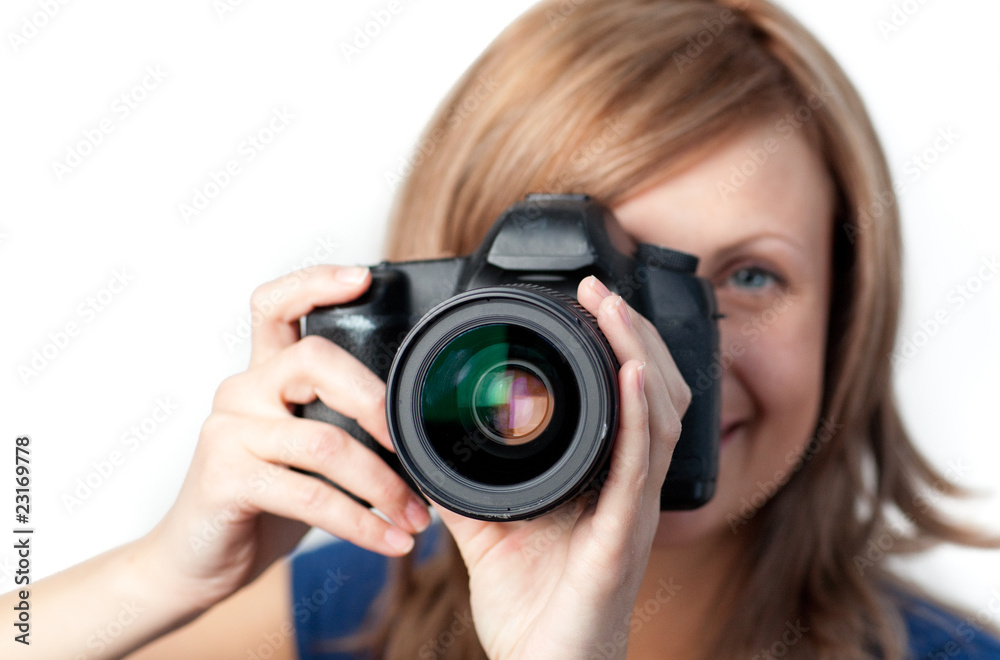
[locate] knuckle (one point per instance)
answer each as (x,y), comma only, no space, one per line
(364,526)
(325,445)
(311,350)
(369,388)
(391,490)
(612,531)
(261,297)
(683,397)
(311,495)
(217,486)
(628,470)
(218,479)
(641,476)
(672,423)
(647,326)
(228,392)
(216,426)
(607,307)
(376,402)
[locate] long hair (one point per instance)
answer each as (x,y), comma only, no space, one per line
(609,97)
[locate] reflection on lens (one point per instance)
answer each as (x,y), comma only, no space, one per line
(512,403)
(499,403)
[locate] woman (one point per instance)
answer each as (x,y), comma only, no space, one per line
(720,129)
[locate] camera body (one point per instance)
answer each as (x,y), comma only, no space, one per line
(502,393)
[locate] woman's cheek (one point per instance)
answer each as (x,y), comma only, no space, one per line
(785,370)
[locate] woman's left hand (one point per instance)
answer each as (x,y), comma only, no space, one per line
(563,585)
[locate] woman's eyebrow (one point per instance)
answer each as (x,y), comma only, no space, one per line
(744,242)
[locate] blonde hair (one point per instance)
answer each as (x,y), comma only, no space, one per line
(609,97)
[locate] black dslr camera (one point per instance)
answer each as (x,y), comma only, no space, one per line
(502,392)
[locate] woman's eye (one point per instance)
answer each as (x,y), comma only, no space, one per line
(753,277)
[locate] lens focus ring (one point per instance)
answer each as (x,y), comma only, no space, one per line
(502,401)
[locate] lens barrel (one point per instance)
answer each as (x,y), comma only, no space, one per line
(502,402)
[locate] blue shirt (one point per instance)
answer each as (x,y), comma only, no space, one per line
(334,585)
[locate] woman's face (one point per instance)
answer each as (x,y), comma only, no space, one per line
(764,240)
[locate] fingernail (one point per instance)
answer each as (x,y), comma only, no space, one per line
(417,514)
(398,539)
(599,287)
(640,374)
(623,310)
(351,275)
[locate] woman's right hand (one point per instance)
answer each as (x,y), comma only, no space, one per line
(241,507)
(563,585)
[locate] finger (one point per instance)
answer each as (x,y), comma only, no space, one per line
(630,484)
(663,386)
(659,352)
(632,337)
(592,293)
(277,306)
(305,498)
(330,451)
(311,368)
(465,530)
(476,538)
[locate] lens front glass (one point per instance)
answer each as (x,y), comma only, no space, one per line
(512,403)
(499,404)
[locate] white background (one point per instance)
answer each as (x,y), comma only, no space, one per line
(321,183)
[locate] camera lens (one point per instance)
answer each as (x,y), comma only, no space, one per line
(502,402)
(512,403)
(498,403)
